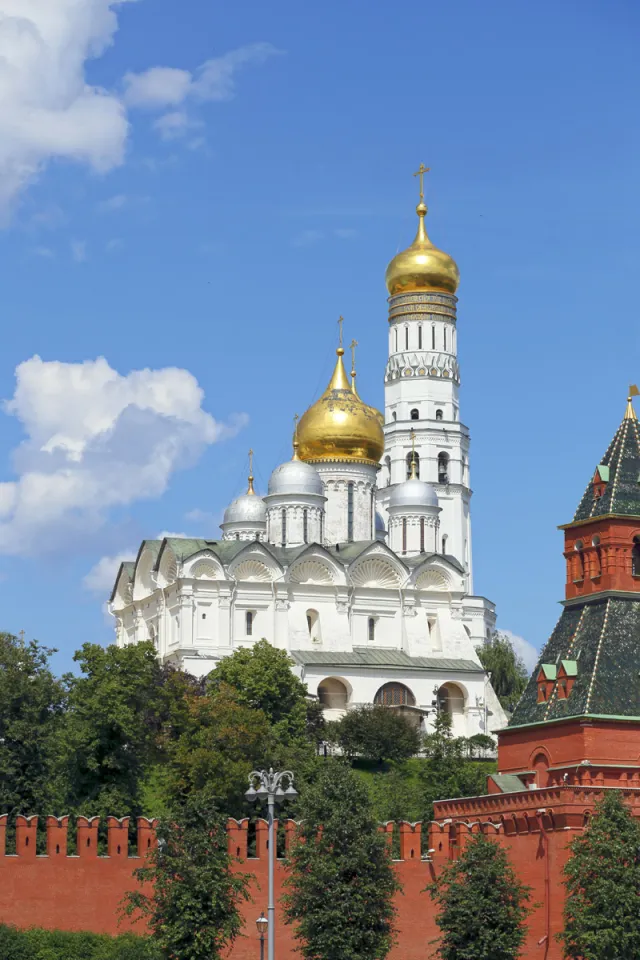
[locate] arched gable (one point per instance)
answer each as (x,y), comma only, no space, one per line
(316,566)
(204,566)
(255,563)
(122,594)
(438,575)
(377,566)
(144,581)
(167,566)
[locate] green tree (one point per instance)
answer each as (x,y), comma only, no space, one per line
(447,771)
(482,906)
(193,909)
(32,703)
(509,674)
(262,678)
(112,726)
(376,733)
(601,914)
(341,883)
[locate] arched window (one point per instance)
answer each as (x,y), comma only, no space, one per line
(444,543)
(371,629)
(433,336)
(410,457)
(421,534)
(597,566)
(313,625)
(443,468)
(445,339)
(635,557)
(284,528)
(579,571)
(305,526)
(396,338)
(237,536)
(404,534)
(439,414)
(394,416)
(406,338)
(349,512)
(394,695)
(248,621)
(450,700)
(415,414)
(333,694)
(420,337)
(387,463)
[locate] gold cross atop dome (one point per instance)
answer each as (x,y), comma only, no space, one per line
(353,345)
(250,489)
(413,475)
(295,456)
(340,322)
(420,172)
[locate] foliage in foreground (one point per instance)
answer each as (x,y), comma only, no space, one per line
(36,944)
(509,674)
(602,913)
(482,905)
(376,733)
(341,884)
(192,907)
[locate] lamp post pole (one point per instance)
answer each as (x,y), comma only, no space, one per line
(269,783)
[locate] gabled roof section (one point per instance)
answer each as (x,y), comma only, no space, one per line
(598,644)
(389,659)
(619,470)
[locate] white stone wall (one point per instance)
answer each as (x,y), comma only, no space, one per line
(413,537)
(336,478)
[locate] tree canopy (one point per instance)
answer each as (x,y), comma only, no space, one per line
(509,674)
(376,733)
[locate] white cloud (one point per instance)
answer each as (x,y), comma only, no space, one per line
(114,203)
(45,252)
(102,575)
(79,250)
(96,440)
(166,87)
(523,648)
(47,109)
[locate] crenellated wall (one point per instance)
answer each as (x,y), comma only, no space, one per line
(73,887)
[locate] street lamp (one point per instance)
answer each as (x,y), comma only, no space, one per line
(262,923)
(270,789)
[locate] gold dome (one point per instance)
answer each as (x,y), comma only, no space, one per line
(422,266)
(340,426)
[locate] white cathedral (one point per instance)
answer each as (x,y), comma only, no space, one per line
(357,561)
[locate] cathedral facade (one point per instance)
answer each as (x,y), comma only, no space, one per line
(357,560)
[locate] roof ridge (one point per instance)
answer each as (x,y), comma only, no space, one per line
(598,650)
(616,469)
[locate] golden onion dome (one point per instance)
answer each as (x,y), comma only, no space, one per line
(422,266)
(339,426)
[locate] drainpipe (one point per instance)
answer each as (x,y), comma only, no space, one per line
(547,883)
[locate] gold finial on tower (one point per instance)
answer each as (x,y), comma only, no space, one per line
(630,413)
(340,351)
(353,345)
(250,489)
(295,437)
(420,172)
(413,475)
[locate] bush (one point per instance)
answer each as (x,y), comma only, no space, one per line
(35,944)
(376,733)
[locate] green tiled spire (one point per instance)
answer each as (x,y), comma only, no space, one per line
(619,471)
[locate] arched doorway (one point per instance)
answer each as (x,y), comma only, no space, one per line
(394,695)
(451,700)
(334,697)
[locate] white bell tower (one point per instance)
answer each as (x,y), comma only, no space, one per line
(422,381)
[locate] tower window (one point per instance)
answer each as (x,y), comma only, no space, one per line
(433,336)
(396,338)
(596,572)
(445,338)
(443,468)
(248,620)
(305,526)
(387,463)
(410,457)
(371,629)
(635,557)
(313,625)
(439,415)
(422,535)
(284,528)
(444,544)
(415,414)
(404,534)
(420,337)
(350,512)
(406,338)
(579,571)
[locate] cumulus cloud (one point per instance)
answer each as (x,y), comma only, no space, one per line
(523,648)
(174,90)
(47,109)
(101,577)
(96,440)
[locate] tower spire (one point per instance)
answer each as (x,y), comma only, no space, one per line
(250,489)
(630,413)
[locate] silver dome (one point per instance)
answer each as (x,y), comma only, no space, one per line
(380,527)
(295,476)
(248,508)
(413,493)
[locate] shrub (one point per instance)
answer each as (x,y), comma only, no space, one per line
(36,944)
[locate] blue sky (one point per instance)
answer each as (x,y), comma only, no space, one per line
(220,181)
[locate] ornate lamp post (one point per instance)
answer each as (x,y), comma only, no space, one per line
(270,789)
(262,923)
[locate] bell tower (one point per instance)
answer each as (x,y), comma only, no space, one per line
(422,381)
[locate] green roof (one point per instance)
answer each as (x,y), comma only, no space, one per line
(549,670)
(620,468)
(508,782)
(598,640)
(390,659)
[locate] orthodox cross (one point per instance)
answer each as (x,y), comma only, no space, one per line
(413,451)
(296,417)
(353,345)
(340,322)
(420,172)
(250,461)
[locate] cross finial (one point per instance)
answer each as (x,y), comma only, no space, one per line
(340,322)
(250,487)
(413,476)
(353,345)
(420,172)
(295,436)
(630,413)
